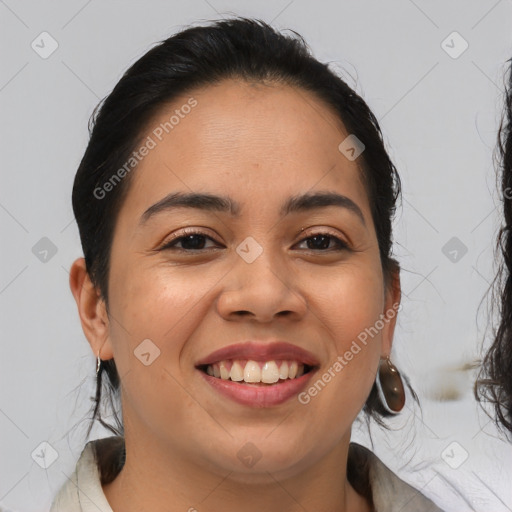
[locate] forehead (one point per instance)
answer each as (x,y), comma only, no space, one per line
(247,140)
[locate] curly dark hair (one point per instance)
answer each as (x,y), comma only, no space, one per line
(494,384)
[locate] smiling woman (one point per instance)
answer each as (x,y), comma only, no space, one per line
(228,276)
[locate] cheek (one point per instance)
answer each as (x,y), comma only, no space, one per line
(162,305)
(153,316)
(348,301)
(349,307)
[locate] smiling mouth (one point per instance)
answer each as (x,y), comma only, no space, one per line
(260,373)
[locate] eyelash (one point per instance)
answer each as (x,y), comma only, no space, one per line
(170,245)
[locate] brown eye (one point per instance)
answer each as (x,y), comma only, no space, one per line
(191,241)
(324,242)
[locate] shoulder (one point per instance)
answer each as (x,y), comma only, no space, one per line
(83,490)
(388,492)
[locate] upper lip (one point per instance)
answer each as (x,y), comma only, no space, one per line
(257,351)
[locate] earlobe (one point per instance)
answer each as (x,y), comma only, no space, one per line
(91,309)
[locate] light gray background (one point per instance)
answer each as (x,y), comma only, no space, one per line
(439,116)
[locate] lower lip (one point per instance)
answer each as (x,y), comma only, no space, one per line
(259,395)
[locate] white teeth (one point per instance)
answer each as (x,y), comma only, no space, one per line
(283,371)
(252,372)
(237,373)
(224,372)
(270,372)
(292,370)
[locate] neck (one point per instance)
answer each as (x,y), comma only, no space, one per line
(153,478)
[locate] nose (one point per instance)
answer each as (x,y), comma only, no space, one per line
(261,291)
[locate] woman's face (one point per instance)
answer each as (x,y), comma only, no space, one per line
(268,265)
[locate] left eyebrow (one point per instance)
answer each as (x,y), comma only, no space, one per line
(210,202)
(307,202)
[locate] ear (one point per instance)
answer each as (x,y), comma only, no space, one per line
(391,305)
(92,310)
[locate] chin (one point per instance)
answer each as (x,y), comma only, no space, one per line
(264,459)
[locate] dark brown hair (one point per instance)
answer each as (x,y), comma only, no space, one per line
(494,384)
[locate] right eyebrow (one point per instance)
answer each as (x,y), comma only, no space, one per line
(192,200)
